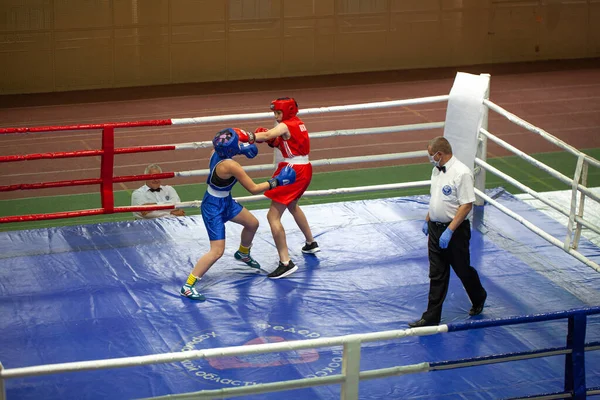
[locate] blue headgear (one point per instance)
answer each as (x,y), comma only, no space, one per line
(226,143)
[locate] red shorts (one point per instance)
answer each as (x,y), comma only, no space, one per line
(287,194)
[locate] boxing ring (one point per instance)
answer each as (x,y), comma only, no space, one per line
(93,312)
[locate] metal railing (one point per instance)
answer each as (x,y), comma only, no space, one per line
(351,375)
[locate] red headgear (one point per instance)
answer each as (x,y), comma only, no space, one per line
(287,106)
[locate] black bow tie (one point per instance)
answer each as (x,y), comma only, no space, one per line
(443,169)
(154,190)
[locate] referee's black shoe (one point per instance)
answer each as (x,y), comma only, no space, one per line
(477,309)
(422,322)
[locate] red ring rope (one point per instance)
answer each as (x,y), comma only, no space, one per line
(106,179)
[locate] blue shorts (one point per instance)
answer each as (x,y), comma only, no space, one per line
(216,211)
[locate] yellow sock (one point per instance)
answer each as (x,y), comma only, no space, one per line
(244,249)
(191,280)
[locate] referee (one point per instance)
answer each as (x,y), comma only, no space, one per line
(449,230)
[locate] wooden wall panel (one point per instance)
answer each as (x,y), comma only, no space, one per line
(360,42)
(141,12)
(198,53)
(84,59)
(564,29)
(54,45)
(197,11)
(254,50)
(465,28)
(415,6)
(298,47)
(514,32)
(416,39)
(594,28)
(361,7)
(244,10)
(82,14)
(308,8)
(26,60)
(141,55)
(20,16)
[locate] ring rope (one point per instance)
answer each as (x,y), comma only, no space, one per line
(359,339)
(228,117)
(564,179)
(539,131)
(106,179)
(535,194)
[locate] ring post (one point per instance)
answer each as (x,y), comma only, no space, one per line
(2,386)
(575,362)
(579,227)
(106,170)
(351,370)
(573,210)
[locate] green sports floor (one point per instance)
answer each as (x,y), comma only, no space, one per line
(519,169)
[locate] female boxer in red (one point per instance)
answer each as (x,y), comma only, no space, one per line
(291,138)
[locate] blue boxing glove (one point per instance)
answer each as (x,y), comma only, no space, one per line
(287,176)
(445,238)
(249,150)
(425,228)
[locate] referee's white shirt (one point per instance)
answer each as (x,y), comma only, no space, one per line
(143,195)
(449,190)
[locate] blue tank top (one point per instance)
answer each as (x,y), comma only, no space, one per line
(213,180)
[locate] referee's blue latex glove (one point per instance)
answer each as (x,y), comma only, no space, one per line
(445,238)
(425,228)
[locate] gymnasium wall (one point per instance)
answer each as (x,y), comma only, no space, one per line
(60,45)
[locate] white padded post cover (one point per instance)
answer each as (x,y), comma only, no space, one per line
(464,115)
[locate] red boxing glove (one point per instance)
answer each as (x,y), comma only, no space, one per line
(245,137)
(259,130)
(274,142)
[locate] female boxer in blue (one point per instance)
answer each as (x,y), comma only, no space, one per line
(218,206)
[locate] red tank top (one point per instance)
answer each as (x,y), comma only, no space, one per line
(298,144)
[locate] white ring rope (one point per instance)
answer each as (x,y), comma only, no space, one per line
(340,132)
(535,194)
(309,111)
(376,131)
(564,179)
(219,352)
(532,128)
(318,163)
(537,230)
(325,192)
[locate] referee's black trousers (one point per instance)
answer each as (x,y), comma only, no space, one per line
(456,255)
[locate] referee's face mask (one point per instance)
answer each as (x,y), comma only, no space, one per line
(433,161)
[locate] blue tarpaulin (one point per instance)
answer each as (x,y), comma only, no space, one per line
(111,290)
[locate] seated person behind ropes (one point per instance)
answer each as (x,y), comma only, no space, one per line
(219,207)
(290,136)
(155,193)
